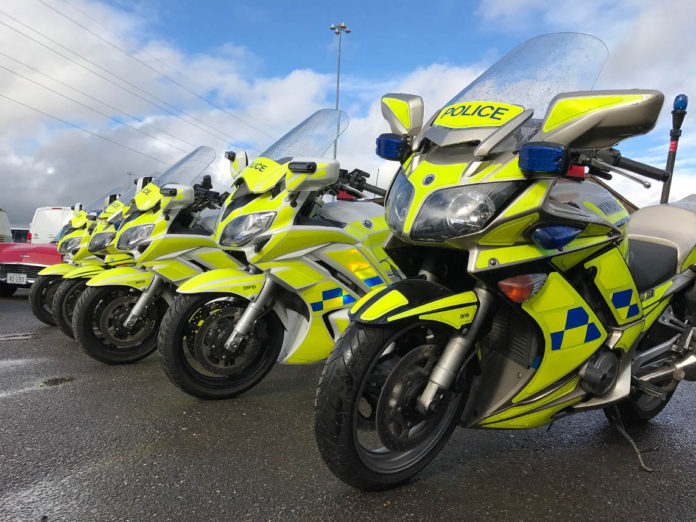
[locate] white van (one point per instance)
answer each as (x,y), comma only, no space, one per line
(47,223)
(5,230)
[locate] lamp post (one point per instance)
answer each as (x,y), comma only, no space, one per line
(338,29)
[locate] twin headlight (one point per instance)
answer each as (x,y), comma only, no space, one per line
(130,238)
(69,246)
(449,212)
(242,229)
(100,241)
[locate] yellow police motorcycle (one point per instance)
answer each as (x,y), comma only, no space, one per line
(167,234)
(532,294)
(71,241)
(308,259)
(92,255)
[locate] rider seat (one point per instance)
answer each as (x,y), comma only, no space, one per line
(660,237)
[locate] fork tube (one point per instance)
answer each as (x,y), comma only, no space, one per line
(252,312)
(455,352)
(142,302)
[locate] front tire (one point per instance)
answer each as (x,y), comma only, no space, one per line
(98,325)
(64,300)
(367,427)
(190,338)
(41,297)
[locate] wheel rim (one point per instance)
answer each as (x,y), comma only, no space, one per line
(395,380)
(206,328)
(47,294)
(70,300)
(109,315)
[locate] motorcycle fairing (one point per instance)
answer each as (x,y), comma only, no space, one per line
(59,269)
(225,280)
(84,272)
(123,276)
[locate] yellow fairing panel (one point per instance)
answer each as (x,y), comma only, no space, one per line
(172,269)
(477,114)
(455,310)
(566,110)
(616,285)
(123,276)
(84,272)
(226,280)
(171,243)
(262,175)
(571,332)
(58,269)
(400,108)
(147,197)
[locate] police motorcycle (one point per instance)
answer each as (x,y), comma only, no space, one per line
(167,231)
(72,241)
(92,255)
(307,260)
(532,294)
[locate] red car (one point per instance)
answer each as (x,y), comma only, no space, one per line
(21,262)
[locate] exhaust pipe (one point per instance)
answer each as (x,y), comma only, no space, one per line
(684,369)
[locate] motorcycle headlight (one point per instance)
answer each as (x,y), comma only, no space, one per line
(458,211)
(398,202)
(69,245)
(243,229)
(100,241)
(130,238)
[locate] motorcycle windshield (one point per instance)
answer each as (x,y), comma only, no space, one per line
(313,137)
(528,77)
(99,204)
(188,169)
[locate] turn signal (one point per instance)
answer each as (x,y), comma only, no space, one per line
(520,288)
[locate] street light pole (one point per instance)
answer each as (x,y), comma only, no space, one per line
(338,29)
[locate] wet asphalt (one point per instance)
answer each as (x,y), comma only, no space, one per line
(80,440)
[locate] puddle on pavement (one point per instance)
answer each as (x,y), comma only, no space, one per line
(56,381)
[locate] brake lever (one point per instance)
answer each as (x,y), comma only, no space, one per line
(598,163)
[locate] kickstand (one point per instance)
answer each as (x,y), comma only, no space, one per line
(615,419)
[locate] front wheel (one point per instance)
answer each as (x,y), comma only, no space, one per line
(67,294)
(41,297)
(368,429)
(98,324)
(191,346)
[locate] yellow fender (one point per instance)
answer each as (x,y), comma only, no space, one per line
(416,299)
(84,272)
(123,276)
(225,280)
(59,269)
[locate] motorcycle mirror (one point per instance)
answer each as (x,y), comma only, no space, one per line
(238,160)
(403,112)
(110,199)
(77,207)
(142,182)
(92,215)
(207,182)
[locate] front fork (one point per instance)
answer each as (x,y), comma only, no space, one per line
(253,311)
(147,297)
(459,346)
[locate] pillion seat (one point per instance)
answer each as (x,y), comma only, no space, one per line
(660,238)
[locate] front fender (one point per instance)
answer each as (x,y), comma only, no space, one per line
(84,272)
(60,269)
(123,276)
(225,280)
(416,299)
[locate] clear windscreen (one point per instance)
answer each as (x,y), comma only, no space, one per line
(313,137)
(188,169)
(533,73)
(98,204)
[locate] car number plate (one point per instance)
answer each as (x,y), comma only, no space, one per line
(16,279)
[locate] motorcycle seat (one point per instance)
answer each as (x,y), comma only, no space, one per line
(660,237)
(350,211)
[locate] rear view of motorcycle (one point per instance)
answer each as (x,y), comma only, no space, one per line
(532,294)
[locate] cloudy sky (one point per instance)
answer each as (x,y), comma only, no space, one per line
(91,90)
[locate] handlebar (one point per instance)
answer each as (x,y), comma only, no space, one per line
(357,179)
(613,157)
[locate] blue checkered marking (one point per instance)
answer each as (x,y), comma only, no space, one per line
(632,310)
(332,293)
(347,299)
(576,318)
(373,281)
(318,306)
(622,298)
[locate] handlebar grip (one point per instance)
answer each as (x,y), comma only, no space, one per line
(644,170)
(374,189)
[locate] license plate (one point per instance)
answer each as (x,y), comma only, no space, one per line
(16,279)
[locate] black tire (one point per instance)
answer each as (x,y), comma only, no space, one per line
(64,300)
(350,371)
(41,297)
(91,312)
(185,370)
(640,408)
(7,290)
